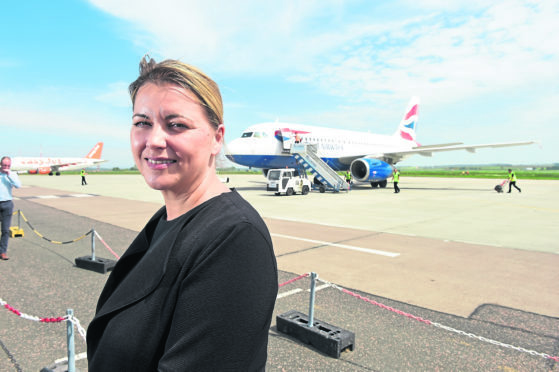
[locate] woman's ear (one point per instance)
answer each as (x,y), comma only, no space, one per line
(219,139)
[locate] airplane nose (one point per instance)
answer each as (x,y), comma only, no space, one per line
(226,148)
(232,148)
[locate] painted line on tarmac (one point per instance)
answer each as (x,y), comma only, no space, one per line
(344,246)
(79,356)
(320,287)
(477,243)
(55,196)
(297,290)
(289,293)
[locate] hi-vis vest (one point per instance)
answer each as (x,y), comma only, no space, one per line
(82,172)
(396,176)
(512,177)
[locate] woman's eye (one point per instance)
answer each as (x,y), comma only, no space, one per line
(177,126)
(141,124)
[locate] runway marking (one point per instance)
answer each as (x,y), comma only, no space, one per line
(320,287)
(358,249)
(289,293)
(297,290)
(79,356)
(477,243)
(55,196)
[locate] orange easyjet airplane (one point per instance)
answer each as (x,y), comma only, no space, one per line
(46,165)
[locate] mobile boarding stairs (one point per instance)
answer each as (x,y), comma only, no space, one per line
(306,157)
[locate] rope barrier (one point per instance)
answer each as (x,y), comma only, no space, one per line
(106,245)
(47,239)
(82,331)
(438,325)
(11,357)
(294,280)
(59,319)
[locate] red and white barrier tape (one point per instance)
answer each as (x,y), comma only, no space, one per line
(293,280)
(59,319)
(106,245)
(438,325)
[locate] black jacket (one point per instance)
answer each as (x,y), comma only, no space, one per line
(200,299)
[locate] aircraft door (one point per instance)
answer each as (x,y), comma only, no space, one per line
(287,138)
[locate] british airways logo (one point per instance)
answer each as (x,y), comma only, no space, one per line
(286,134)
(411,113)
(411,116)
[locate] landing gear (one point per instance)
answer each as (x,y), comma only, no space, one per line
(382,184)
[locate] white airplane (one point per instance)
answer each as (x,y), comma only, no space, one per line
(44,165)
(369,157)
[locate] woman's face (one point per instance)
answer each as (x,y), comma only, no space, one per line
(173,144)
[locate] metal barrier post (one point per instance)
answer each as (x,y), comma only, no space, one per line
(311,304)
(93,244)
(18,218)
(70,334)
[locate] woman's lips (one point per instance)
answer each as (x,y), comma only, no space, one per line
(159,163)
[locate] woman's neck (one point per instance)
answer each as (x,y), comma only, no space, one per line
(178,204)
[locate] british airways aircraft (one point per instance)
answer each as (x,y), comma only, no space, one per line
(369,157)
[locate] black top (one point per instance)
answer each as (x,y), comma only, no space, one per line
(195,293)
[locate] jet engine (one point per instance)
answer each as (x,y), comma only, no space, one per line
(40,170)
(371,170)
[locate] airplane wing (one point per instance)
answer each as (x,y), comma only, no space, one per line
(396,156)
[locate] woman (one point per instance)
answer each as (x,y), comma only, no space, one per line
(196,289)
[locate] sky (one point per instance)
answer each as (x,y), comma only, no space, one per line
(485,71)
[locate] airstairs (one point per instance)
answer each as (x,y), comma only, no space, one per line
(306,156)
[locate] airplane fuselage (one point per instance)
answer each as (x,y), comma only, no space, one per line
(267,145)
(369,157)
(50,165)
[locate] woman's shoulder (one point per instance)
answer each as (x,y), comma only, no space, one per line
(232,208)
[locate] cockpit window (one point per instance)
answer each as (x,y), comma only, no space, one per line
(256,134)
(246,135)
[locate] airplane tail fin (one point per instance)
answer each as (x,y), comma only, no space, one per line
(407,127)
(95,152)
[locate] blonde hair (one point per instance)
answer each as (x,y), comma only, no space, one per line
(186,76)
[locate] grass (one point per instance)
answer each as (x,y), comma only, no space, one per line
(482,172)
(497,172)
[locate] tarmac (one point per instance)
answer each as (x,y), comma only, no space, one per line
(446,275)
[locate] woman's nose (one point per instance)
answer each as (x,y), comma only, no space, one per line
(157,137)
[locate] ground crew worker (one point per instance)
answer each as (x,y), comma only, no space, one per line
(82,173)
(396,178)
(512,181)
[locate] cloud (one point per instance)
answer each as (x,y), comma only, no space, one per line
(116,95)
(371,55)
(27,115)
(449,57)
(445,50)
